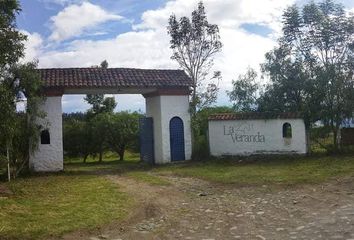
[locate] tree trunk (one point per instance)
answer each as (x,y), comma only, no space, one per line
(100,156)
(22,166)
(121,153)
(193,109)
(85,157)
(335,140)
(308,139)
(336,136)
(8,162)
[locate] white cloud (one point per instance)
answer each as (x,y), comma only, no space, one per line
(226,13)
(147,45)
(33,46)
(74,103)
(75,19)
(146,49)
(241,49)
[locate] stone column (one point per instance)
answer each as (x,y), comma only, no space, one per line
(49,157)
(162,107)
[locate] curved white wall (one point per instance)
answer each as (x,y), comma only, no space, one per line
(245,137)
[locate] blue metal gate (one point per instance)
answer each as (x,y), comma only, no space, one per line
(177,139)
(146,140)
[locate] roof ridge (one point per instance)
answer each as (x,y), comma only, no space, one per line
(113,77)
(120,68)
(254,115)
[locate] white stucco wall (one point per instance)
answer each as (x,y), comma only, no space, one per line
(49,158)
(225,137)
(153,109)
(162,109)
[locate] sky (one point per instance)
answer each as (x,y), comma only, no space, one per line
(132,33)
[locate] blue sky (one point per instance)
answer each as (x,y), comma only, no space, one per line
(132,33)
(36,14)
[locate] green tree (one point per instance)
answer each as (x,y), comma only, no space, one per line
(104,64)
(291,89)
(97,120)
(11,40)
(17,82)
(11,50)
(318,48)
(95,100)
(244,92)
(20,132)
(100,104)
(124,132)
(77,138)
(99,125)
(195,43)
(97,117)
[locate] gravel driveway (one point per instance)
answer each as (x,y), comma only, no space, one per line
(195,209)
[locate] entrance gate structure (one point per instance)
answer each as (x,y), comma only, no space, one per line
(166,94)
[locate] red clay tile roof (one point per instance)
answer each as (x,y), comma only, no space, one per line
(253,115)
(112,77)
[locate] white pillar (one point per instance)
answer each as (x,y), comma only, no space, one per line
(162,109)
(49,157)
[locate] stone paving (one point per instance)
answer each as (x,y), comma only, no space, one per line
(196,209)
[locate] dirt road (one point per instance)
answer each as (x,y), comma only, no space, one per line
(195,209)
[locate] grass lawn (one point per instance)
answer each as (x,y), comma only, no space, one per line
(45,206)
(50,205)
(108,157)
(281,169)
(130,167)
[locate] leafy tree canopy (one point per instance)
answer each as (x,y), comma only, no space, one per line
(99,103)
(11,40)
(244,92)
(195,42)
(311,69)
(18,82)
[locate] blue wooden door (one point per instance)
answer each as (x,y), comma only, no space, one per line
(177,139)
(146,140)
